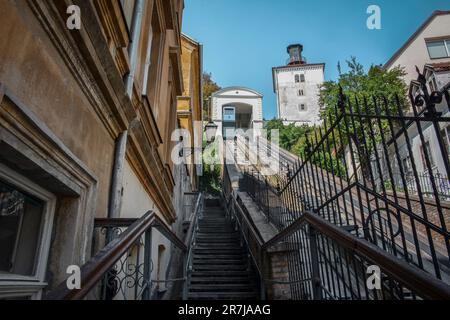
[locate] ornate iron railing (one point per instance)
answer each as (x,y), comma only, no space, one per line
(328,262)
(337,177)
(426,186)
(124,269)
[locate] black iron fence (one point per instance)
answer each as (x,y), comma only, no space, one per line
(361,143)
(327,262)
(425,181)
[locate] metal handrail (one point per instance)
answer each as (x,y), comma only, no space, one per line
(256,235)
(190,243)
(416,279)
(94,270)
(427,286)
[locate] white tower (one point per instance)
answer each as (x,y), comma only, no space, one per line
(297,88)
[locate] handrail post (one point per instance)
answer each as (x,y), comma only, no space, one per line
(315,268)
(148,265)
(186,275)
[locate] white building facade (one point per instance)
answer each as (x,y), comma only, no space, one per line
(297,87)
(429,50)
(237,108)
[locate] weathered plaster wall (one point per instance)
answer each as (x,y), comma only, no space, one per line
(32,68)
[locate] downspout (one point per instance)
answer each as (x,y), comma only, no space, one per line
(133,48)
(115,199)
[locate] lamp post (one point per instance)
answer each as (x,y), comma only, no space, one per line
(211,130)
(211,127)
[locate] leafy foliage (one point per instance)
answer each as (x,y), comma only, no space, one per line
(376,92)
(289,135)
(209,88)
(211,182)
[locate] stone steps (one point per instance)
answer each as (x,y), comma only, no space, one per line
(220,264)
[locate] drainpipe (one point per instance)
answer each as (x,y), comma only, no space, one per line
(133,48)
(115,198)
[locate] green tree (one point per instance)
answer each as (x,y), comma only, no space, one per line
(358,84)
(289,134)
(373,92)
(209,88)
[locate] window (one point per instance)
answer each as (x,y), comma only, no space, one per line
(26,215)
(445,133)
(302,107)
(301,92)
(432,84)
(302,78)
(427,148)
(407,166)
(148,62)
(297,78)
(439,49)
(229,114)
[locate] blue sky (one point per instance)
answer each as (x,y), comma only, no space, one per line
(244,39)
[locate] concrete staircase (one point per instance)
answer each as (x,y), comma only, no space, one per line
(221,267)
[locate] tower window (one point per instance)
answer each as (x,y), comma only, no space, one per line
(301,92)
(302,107)
(302,78)
(297,78)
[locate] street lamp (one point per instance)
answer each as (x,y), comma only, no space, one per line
(211,130)
(211,127)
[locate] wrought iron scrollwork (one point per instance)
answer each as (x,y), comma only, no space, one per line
(425,98)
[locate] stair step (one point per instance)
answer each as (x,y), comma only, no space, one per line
(221,288)
(218,241)
(233,244)
(223,296)
(220,263)
(214,262)
(222,251)
(203,235)
(220,256)
(212,280)
(222,267)
(222,274)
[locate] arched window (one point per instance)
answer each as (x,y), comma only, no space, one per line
(301,92)
(297,78)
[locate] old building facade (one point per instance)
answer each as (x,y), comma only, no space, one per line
(428,49)
(86,123)
(297,86)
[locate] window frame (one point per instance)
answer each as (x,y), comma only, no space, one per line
(445,131)
(18,286)
(446,43)
(424,152)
